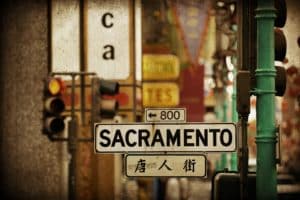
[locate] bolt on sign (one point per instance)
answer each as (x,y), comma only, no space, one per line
(160,94)
(175,165)
(167,137)
(160,67)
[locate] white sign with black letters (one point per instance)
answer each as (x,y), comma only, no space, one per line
(108,31)
(165,137)
(165,115)
(175,165)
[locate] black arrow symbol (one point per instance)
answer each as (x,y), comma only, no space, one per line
(152,115)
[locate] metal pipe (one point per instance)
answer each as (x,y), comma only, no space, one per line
(49,34)
(82,47)
(234,119)
(265,91)
(244,158)
(72,147)
(72,134)
(72,73)
(224,164)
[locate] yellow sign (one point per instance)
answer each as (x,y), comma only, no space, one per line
(160,67)
(160,94)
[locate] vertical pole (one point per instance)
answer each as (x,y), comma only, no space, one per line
(244,157)
(82,57)
(234,118)
(72,162)
(246,62)
(72,145)
(223,161)
(225,106)
(265,91)
(49,34)
(224,119)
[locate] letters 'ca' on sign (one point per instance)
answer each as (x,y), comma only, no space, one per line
(160,67)
(165,137)
(160,94)
(109,25)
(178,165)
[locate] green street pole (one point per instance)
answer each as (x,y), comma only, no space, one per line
(225,106)
(223,162)
(234,118)
(224,119)
(265,82)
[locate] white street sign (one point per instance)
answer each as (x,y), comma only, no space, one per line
(178,165)
(109,28)
(165,115)
(165,137)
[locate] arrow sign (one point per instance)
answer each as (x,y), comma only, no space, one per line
(159,115)
(152,115)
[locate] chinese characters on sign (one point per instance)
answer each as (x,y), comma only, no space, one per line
(166,165)
(189,165)
(141,166)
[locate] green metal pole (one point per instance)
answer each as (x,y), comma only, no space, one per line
(224,119)
(225,106)
(234,118)
(265,82)
(223,162)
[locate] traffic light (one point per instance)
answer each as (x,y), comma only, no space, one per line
(104,105)
(53,106)
(280,6)
(280,46)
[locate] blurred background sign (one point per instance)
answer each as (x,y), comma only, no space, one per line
(160,94)
(160,67)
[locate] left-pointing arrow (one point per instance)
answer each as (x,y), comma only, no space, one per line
(152,115)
